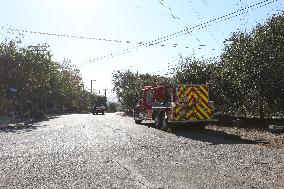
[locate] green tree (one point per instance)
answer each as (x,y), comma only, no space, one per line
(128,86)
(248,78)
(112,107)
(193,70)
(42,85)
(252,68)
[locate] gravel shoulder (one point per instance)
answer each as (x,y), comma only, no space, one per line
(260,136)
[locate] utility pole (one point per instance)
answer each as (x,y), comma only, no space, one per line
(92,85)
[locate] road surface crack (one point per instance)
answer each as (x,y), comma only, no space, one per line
(134,174)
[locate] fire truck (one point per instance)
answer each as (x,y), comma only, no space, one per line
(180,103)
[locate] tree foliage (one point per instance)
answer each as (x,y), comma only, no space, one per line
(249,76)
(32,84)
(193,70)
(112,107)
(128,86)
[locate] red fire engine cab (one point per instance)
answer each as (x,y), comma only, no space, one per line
(181,103)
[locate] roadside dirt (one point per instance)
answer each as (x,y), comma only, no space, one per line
(261,137)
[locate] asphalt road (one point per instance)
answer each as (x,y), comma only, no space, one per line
(110,151)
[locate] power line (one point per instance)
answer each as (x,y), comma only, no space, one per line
(201,20)
(173,15)
(160,40)
(126,3)
(166,6)
(187,30)
(10,28)
(242,4)
(219,29)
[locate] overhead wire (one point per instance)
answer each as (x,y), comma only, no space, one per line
(126,3)
(245,17)
(168,8)
(188,30)
(177,18)
(267,15)
(205,3)
(219,29)
(6,36)
(165,5)
(13,29)
(201,20)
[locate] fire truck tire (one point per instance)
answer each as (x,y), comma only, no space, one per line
(202,126)
(158,123)
(138,121)
(165,124)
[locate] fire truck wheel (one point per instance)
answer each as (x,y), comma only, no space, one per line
(158,123)
(138,121)
(165,124)
(202,126)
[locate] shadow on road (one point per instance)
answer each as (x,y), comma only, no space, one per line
(22,128)
(212,137)
(24,125)
(208,135)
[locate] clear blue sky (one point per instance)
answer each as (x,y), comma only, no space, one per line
(127,20)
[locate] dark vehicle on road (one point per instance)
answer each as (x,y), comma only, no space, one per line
(98,109)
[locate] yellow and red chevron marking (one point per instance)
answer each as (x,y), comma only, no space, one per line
(192,103)
(204,90)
